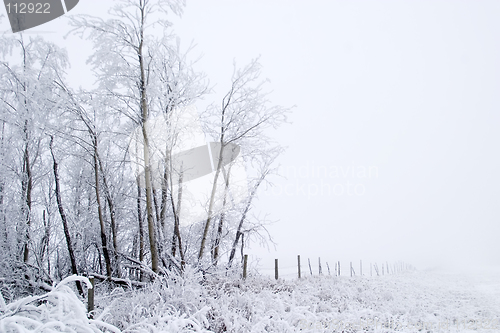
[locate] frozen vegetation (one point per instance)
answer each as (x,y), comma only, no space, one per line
(430,301)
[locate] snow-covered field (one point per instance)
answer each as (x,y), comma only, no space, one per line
(422,301)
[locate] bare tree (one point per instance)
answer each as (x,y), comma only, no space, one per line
(241,120)
(265,159)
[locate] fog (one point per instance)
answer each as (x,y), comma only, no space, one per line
(392,150)
(393,142)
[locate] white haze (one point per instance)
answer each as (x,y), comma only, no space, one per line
(403,93)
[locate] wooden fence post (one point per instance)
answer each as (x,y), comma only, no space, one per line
(319,266)
(352,269)
(310,269)
(276,269)
(328,266)
(245,260)
(298,264)
(90,303)
(339,268)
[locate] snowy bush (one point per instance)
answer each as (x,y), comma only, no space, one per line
(169,304)
(223,302)
(19,279)
(59,310)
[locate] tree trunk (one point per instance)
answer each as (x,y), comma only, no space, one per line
(159,230)
(141,227)
(112,217)
(2,186)
(44,244)
(27,185)
(177,233)
(157,207)
(99,210)
(218,237)
(4,234)
(211,204)
(243,217)
(164,197)
(147,167)
(64,220)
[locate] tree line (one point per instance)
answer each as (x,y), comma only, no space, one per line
(73,201)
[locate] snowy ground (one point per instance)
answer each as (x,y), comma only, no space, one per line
(425,301)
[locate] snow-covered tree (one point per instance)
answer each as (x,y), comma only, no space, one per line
(122,62)
(240,123)
(29,104)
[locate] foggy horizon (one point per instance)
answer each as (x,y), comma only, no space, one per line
(409,89)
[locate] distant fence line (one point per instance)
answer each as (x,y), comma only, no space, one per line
(385,268)
(395,268)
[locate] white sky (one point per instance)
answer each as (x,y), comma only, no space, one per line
(409,88)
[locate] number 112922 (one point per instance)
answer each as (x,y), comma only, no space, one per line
(24,8)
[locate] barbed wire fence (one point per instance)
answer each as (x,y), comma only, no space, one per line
(298,271)
(336,269)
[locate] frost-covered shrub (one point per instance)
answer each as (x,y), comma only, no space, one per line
(59,310)
(223,302)
(169,304)
(19,279)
